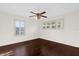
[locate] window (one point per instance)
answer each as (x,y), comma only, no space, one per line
(55,24)
(20,27)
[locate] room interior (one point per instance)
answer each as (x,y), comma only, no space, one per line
(39,29)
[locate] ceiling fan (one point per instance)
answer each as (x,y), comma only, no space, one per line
(38,15)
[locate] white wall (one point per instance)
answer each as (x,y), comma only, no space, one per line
(69,35)
(7,29)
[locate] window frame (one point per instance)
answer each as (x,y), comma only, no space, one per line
(20,34)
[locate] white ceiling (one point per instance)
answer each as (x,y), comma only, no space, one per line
(52,9)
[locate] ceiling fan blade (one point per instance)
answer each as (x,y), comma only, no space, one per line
(44,16)
(32,16)
(43,12)
(32,12)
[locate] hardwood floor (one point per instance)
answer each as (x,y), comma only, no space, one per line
(39,47)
